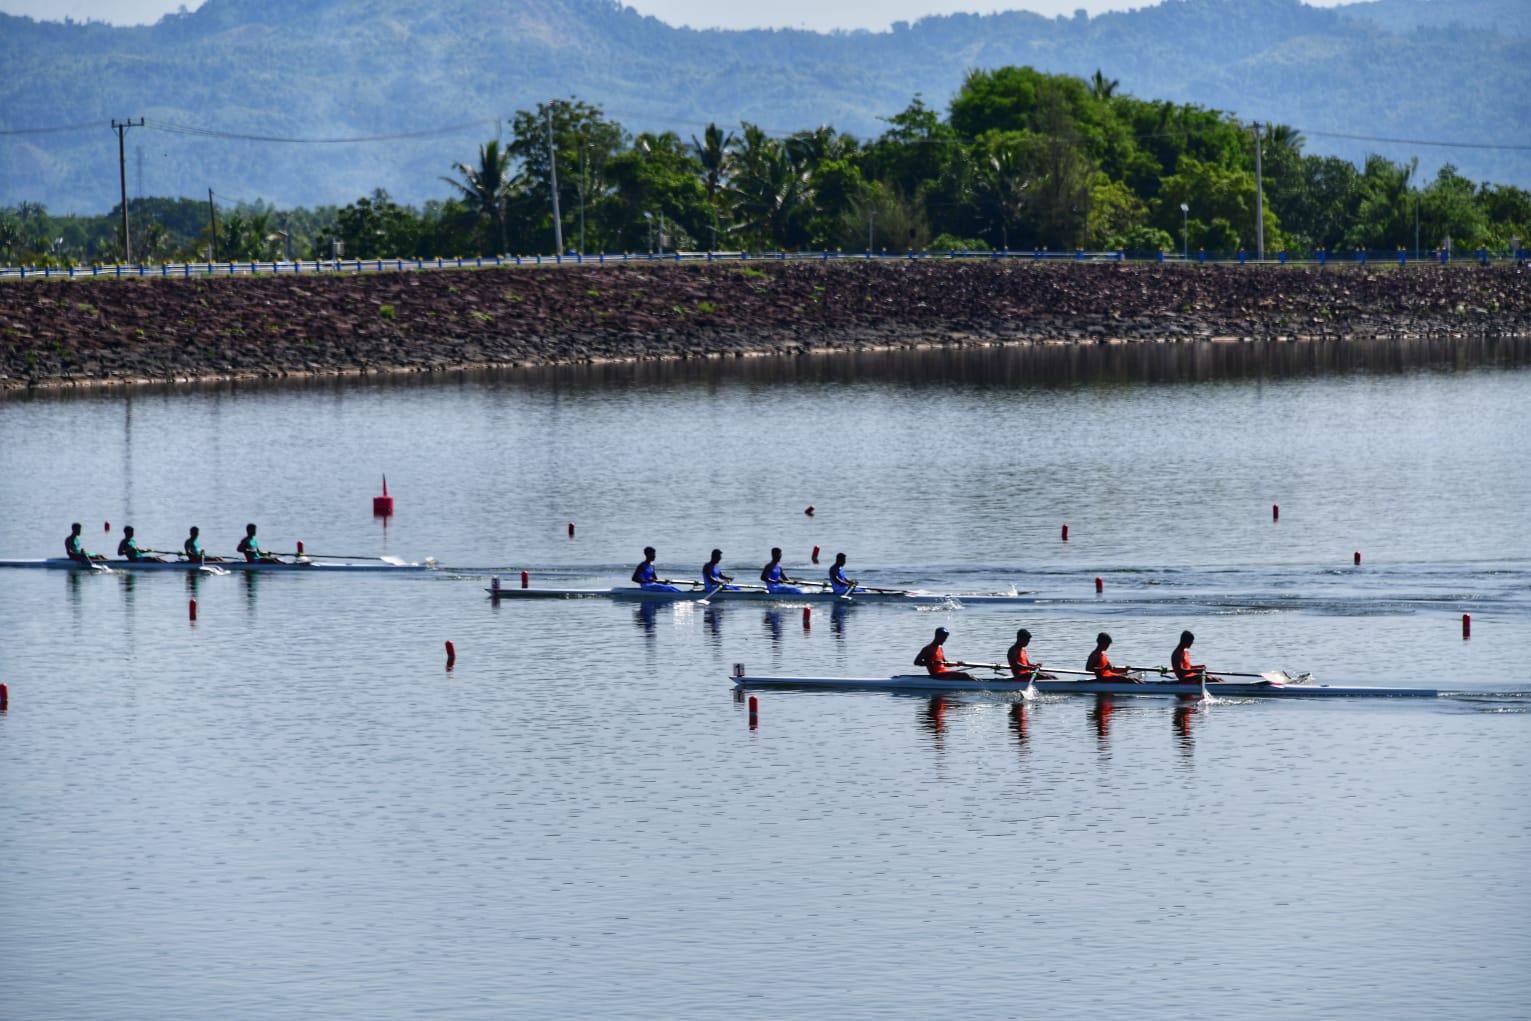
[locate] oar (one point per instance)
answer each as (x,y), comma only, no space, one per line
(1273,676)
(714,591)
(394,561)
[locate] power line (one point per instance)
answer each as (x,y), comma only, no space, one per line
(188,129)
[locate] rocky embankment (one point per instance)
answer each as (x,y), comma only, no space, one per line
(86,332)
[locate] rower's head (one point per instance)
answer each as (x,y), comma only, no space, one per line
(75,528)
(250,528)
(717,555)
(195,531)
(648,553)
(839,559)
(775,552)
(1102,640)
(1022,637)
(941,634)
(1186,638)
(127,530)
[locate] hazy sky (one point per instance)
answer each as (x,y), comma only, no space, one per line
(813,14)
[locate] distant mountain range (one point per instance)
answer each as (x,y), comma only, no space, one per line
(313,102)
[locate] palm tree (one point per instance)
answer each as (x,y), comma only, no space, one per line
(714,155)
(485,189)
(1102,87)
(770,192)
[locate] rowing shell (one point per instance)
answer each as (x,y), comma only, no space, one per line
(641,595)
(1228,689)
(65,564)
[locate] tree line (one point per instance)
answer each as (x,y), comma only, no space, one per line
(1021,160)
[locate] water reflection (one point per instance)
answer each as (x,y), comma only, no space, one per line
(1020,722)
(1100,715)
(933,718)
(644,615)
(772,622)
(1185,714)
(837,618)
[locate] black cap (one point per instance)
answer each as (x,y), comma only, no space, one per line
(941,631)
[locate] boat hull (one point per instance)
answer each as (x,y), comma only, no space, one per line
(1225,689)
(309,566)
(638,595)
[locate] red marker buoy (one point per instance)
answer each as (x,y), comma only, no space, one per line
(808,510)
(815,554)
(1467,625)
(525,579)
(5,698)
(807,614)
(1065,533)
(754,712)
(382,506)
(1099,585)
(451,654)
(107,527)
(571,529)
(1358,558)
(1275,512)
(191,611)
(300,547)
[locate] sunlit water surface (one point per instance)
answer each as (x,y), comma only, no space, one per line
(289,808)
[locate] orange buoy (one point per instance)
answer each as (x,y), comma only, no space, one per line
(754,712)
(525,579)
(1358,558)
(1275,512)
(1467,625)
(807,615)
(1065,533)
(300,547)
(382,506)
(5,698)
(1099,585)
(191,611)
(808,510)
(451,654)
(571,529)
(815,554)
(107,527)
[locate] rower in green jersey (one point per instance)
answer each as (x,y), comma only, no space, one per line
(74,547)
(129,549)
(193,551)
(252,551)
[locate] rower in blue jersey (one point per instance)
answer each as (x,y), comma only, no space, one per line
(129,549)
(644,575)
(74,546)
(193,551)
(838,582)
(251,549)
(713,576)
(776,580)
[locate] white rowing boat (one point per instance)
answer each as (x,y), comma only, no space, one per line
(1079,686)
(755,594)
(385,564)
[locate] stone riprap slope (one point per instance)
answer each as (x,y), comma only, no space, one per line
(108,331)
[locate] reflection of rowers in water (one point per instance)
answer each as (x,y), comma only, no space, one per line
(1021,666)
(933,659)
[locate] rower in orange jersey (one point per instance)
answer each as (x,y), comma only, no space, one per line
(1021,666)
(1185,670)
(1099,665)
(933,659)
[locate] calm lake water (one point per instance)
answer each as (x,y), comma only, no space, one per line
(290,808)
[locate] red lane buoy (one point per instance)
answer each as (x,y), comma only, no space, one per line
(815,554)
(382,506)
(451,654)
(107,527)
(808,510)
(1358,558)
(807,617)
(1065,533)
(300,547)
(1099,585)
(525,579)
(5,698)
(754,712)
(1467,625)
(1275,512)
(571,529)
(191,611)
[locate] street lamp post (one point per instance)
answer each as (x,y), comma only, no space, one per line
(1185,231)
(553,180)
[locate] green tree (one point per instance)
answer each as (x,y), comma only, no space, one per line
(583,144)
(485,192)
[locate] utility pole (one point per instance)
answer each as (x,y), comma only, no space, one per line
(121,127)
(212,220)
(553,179)
(1259,201)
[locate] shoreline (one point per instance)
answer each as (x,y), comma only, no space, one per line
(107,333)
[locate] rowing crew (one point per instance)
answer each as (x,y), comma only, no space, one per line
(933,658)
(191,549)
(772,575)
